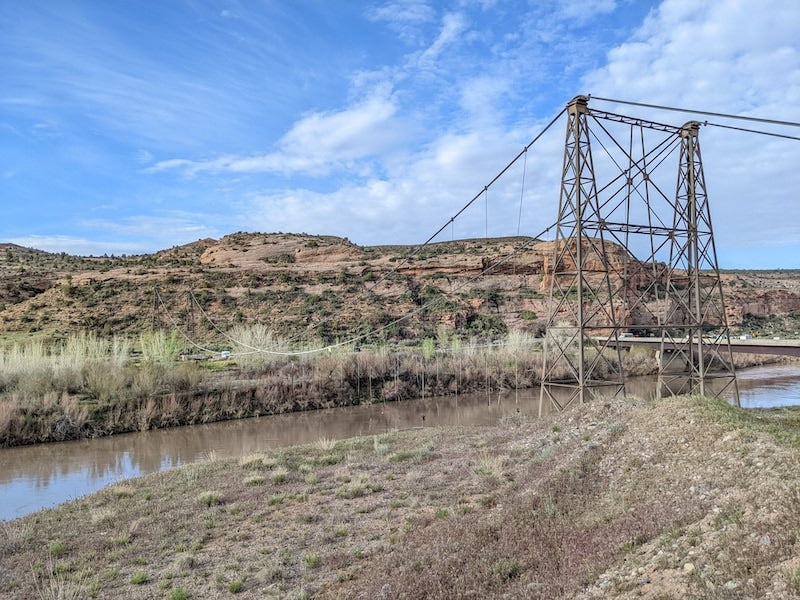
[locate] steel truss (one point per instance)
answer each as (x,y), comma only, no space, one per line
(627,257)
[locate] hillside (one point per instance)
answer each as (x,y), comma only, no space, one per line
(320,287)
(672,498)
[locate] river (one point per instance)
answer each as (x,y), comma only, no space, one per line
(45,475)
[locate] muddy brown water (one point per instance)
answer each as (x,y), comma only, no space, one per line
(45,475)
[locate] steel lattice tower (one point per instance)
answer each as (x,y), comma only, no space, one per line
(582,299)
(694,349)
(629,257)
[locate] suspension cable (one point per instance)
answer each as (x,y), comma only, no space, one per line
(522,191)
(699,112)
(449,222)
(177,328)
(475,197)
(769,133)
(352,340)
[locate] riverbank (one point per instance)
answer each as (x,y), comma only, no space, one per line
(677,497)
(89,388)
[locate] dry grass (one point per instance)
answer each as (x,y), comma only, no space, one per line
(55,583)
(85,386)
(12,536)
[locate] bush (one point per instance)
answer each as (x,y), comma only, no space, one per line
(158,347)
(209,499)
(139,578)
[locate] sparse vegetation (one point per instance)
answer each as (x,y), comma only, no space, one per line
(488,511)
(258,296)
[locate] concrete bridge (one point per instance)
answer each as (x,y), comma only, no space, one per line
(747,346)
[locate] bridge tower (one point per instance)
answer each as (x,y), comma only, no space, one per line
(695,340)
(630,258)
(582,321)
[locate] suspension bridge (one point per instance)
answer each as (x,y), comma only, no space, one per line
(618,190)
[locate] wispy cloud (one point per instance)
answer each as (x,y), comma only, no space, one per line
(404,17)
(316,144)
(134,234)
(585,10)
(186,89)
(262,110)
(386,183)
(184,225)
(453,26)
(423,192)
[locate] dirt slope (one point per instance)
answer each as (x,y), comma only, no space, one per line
(678,498)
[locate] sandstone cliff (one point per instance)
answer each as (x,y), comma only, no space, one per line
(324,287)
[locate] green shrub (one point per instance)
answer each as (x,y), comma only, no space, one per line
(158,347)
(209,498)
(312,560)
(57,548)
(139,578)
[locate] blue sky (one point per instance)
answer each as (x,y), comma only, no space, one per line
(128,127)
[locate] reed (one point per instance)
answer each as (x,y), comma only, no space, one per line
(40,387)
(159,347)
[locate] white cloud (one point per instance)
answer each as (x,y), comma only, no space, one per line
(453,26)
(480,98)
(143,157)
(183,224)
(80,246)
(716,57)
(584,10)
(130,235)
(423,129)
(421,193)
(316,144)
(404,17)
(716,53)
(723,57)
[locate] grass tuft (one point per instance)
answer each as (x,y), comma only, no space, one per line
(325,444)
(12,536)
(178,594)
(57,548)
(279,475)
(312,560)
(506,569)
(123,490)
(255,480)
(209,498)
(253,461)
(491,466)
(53,583)
(139,578)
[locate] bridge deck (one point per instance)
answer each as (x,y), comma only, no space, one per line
(751,346)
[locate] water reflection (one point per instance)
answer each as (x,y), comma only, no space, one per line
(768,387)
(41,476)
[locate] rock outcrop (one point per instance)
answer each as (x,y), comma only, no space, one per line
(327,287)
